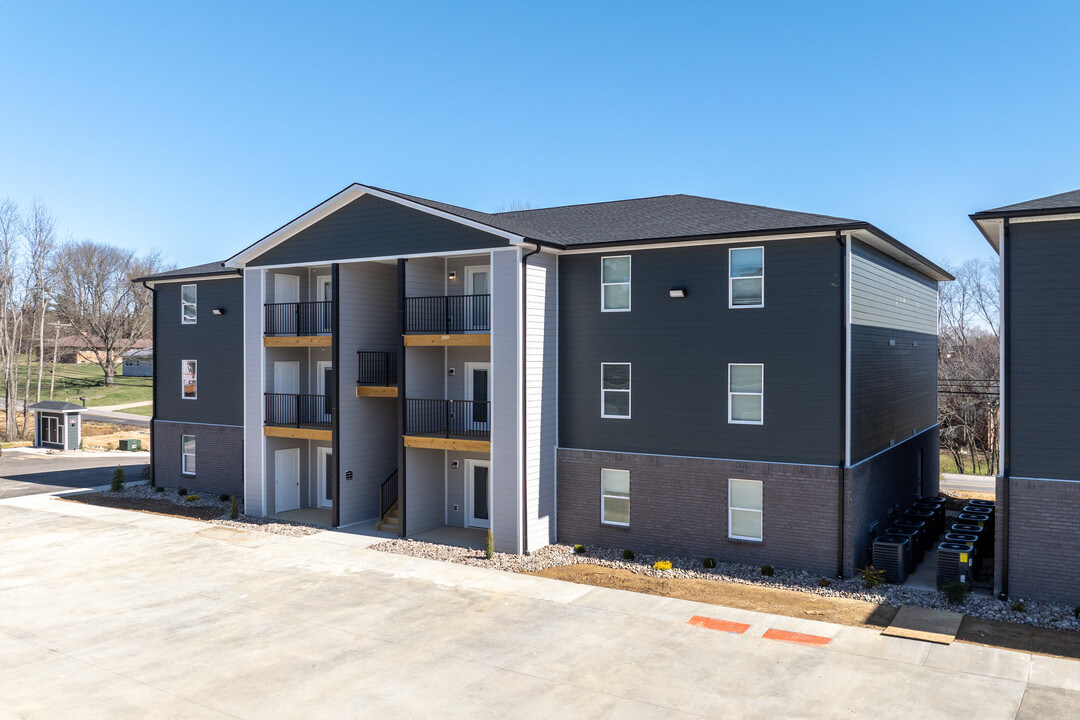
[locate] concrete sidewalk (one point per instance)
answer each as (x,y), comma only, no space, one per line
(110,613)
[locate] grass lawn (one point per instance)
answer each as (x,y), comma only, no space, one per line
(85,379)
(146,410)
(948,465)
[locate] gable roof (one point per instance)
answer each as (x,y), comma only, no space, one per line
(57,406)
(989,221)
(204,270)
(79,342)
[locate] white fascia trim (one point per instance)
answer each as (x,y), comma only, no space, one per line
(893,447)
(192,279)
(991,230)
(884,246)
(383,258)
(623,248)
(1045,218)
(192,424)
(342,199)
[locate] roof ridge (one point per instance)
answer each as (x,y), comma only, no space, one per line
(598,202)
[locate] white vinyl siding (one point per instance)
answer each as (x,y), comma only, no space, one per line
(189,305)
(189,379)
(187,454)
(615,283)
(615,497)
(746,277)
(746,394)
(744,509)
(615,390)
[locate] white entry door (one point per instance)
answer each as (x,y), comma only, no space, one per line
(325,459)
(324,294)
(477,282)
(324,382)
(286,288)
(282,409)
(478,389)
(286,479)
(478,490)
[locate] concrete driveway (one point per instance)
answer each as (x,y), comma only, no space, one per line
(24,472)
(113,614)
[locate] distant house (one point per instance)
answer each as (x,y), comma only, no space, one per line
(139,363)
(80,349)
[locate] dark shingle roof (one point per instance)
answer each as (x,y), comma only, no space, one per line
(214,268)
(1061,201)
(56,406)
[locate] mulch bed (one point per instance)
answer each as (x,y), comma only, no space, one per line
(156,507)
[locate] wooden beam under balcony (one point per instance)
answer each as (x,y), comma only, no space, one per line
(441,443)
(462,339)
(298,341)
(298,433)
(376,391)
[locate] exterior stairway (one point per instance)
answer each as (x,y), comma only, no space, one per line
(389,521)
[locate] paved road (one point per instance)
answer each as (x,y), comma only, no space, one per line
(98,415)
(113,614)
(968,483)
(26,473)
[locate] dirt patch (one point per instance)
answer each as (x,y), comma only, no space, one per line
(106,436)
(147,505)
(745,597)
(1041,641)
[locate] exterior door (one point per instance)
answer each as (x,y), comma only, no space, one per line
(286,288)
(286,479)
(325,458)
(478,287)
(283,409)
(478,480)
(324,295)
(325,383)
(50,429)
(478,390)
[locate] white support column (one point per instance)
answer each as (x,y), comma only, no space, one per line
(254,378)
(506,347)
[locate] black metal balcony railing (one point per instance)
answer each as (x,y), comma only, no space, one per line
(448,418)
(298,318)
(448,314)
(376,368)
(388,493)
(286,409)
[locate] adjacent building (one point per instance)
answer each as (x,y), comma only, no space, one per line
(676,373)
(1038,488)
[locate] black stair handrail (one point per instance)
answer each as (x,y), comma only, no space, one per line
(445,314)
(376,368)
(448,418)
(294,410)
(298,318)
(388,493)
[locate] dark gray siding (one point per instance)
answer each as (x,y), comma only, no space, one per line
(372,227)
(215,341)
(1044,339)
(680,350)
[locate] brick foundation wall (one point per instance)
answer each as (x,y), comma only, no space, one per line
(1044,540)
(678,505)
(219,457)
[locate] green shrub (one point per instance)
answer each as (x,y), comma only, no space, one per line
(117,480)
(234,508)
(489,546)
(628,555)
(955,592)
(1018,606)
(872,577)
(708,563)
(224,497)
(181,491)
(768,570)
(579,549)
(192,498)
(159,488)
(824,582)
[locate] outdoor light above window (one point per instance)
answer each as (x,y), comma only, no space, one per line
(677,292)
(453,275)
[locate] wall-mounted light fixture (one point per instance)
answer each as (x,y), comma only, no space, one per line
(452,275)
(218,311)
(677,292)
(453,465)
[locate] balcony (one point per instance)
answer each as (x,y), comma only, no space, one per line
(298,324)
(448,320)
(448,424)
(377,374)
(298,416)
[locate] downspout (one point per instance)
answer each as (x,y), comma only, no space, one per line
(401,395)
(153,387)
(1006,391)
(524,378)
(335,403)
(841,520)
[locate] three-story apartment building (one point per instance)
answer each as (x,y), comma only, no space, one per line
(673,373)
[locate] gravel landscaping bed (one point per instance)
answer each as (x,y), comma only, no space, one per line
(1045,615)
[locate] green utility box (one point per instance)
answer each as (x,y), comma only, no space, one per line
(131,445)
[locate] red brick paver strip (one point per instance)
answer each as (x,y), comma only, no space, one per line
(721,625)
(794,637)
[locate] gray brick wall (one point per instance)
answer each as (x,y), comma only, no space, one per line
(1044,540)
(219,457)
(678,505)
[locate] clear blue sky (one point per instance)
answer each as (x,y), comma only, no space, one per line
(198,128)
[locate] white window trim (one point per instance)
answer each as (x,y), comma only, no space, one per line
(184,456)
(730,295)
(183,395)
(761,512)
(760,394)
(630,378)
(604,496)
(629,289)
(183,305)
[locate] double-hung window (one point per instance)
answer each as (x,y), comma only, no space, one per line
(615,497)
(189,304)
(744,509)
(615,390)
(189,378)
(746,393)
(746,277)
(187,457)
(615,283)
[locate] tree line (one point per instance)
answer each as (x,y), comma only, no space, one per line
(51,288)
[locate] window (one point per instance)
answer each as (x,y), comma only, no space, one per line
(744,509)
(746,389)
(615,283)
(615,390)
(615,497)
(189,377)
(746,277)
(187,457)
(189,295)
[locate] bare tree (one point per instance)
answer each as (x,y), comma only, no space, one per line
(93,292)
(39,229)
(513,205)
(11,319)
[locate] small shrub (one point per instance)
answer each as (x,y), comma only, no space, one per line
(159,488)
(872,577)
(234,508)
(824,582)
(489,546)
(708,563)
(628,555)
(117,480)
(1076,612)
(662,565)
(768,570)
(224,497)
(181,491)
(955,592)
(579,549)
(1018,606)
(192,498)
